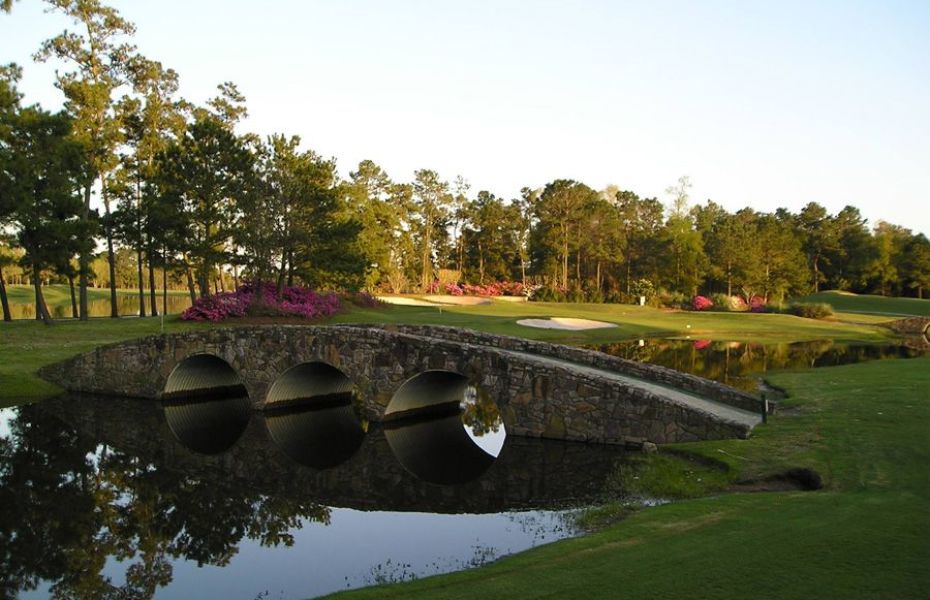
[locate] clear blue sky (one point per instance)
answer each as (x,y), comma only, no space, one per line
(764,104)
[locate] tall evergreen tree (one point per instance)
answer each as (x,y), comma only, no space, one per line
(559,216)
(100,58)
(40,179)
(429,212)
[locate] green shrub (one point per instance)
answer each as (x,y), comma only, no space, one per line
(811,310)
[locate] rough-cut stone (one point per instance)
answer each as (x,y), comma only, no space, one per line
(543,390)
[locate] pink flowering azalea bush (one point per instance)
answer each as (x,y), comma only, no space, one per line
(702,303)
(497,288)
(251,299)
(757,304)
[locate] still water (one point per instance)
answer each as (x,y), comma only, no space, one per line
(127,305)
(743,365)
(204,498)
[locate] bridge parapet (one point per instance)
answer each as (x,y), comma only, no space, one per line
(657,373)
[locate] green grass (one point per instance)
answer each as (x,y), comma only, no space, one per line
(864,427)
(632,321)
(26,346)
(863,303)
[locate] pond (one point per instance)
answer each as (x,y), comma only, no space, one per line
(743,365)
(205,498)
(127,305)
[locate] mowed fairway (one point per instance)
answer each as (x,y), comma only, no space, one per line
(864,303)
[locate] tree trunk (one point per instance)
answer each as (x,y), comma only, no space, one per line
(220,275)
(729,279)
(7,316)
(41,308)
(290,268)
(111,257)
(84,258)
(190,283)
(203,281)
(152,293)
(427,272)
(164,290)
(629,266)
(578,267)
(480,264)
(282,273)
(74,306)
(141,282)
(236,276)
(817,276)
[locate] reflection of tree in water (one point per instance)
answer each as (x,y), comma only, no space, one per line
(69,506)
(739,364)
(481,413)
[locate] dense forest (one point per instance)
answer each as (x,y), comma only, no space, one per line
(130,185)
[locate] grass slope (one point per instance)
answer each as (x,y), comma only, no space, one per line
(863,426)
(26,346)
(864,303)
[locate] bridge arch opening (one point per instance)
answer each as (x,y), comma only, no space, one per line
(443,428)
(206,405)
(312,413)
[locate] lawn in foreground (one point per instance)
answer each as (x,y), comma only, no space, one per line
(863,427)
(26,346)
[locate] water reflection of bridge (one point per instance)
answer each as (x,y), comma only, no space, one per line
(266,457)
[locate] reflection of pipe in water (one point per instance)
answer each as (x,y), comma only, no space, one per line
(205,404)
(425,426)
(207,426)
(310,413)
(437,450)
(318,437)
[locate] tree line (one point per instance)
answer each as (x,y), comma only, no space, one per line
(191,199)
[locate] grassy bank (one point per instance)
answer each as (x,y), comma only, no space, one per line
(26,346)
(864,303)
(863,427)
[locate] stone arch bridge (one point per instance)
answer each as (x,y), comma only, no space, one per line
(541,389)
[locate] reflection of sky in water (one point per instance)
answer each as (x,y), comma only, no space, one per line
(357,549)
(6,415)
(490,442)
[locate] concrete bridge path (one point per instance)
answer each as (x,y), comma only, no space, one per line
(718,410)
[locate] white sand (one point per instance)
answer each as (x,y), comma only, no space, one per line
(405,301)
(434,300)
(565,323)
(457,300)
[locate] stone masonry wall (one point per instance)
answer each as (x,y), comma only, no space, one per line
(655,373)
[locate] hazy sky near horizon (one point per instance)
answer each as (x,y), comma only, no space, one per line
(761,104)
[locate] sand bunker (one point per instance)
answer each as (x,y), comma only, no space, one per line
(434,300)
(565,323)
(457,300)
(405,301)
